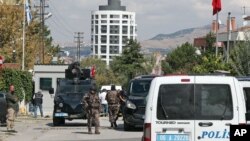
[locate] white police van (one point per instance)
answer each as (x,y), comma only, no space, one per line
(193,108)
(245,82)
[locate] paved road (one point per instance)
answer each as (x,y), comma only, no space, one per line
(42,130)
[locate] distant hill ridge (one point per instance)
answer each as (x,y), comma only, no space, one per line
(177,38)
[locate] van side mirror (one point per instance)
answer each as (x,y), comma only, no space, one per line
(247,116)
(51,91)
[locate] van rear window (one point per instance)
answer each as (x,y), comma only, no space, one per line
(199,101)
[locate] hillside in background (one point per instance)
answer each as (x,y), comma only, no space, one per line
(172,40)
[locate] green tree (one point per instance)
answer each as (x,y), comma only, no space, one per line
(240,58)
(21,80)
(210,42)
(11,29)
(182,59)
(104,76)
(210,63)
(130,63)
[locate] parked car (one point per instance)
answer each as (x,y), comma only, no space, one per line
(134,108)
(3,108)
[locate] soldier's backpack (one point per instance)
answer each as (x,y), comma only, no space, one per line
(112,97)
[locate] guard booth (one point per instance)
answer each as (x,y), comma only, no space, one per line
(46,77)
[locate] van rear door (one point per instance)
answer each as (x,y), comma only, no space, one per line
(174,113)
(215,108)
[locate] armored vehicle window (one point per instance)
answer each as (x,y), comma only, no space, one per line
(45,83)
(73,89)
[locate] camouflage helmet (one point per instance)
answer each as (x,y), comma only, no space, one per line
(93,88)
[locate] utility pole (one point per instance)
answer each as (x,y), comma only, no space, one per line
(229,28)
(42,43)
(79,41)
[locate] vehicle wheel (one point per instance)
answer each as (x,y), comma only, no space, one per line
(2,120)
(58,121)
(126,127)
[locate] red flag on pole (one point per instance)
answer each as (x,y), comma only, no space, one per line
(93,71)
(216,6)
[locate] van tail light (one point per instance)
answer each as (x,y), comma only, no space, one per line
(147,132)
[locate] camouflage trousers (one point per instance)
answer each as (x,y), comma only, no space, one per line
(113,112)
(93,117)
(10,118)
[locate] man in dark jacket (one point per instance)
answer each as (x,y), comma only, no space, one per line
(12,104)
(92,106)
(38,103)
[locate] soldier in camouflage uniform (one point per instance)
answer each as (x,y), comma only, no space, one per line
(113,97)
(92,106)
(12,105)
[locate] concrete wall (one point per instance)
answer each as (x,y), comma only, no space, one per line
(48,71)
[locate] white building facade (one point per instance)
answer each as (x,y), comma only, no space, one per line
(111,28)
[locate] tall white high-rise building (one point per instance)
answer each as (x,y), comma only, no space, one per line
(111,27)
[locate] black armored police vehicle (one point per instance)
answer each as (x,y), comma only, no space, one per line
(69,93)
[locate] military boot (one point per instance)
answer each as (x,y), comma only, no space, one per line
(115,124)
(89,131)
(97,130)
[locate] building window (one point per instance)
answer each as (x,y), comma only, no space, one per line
(113,49)
(96,39)
(96,21)
(131,30)
(96,16)
(96,49)
(103,49)
(103,56)
(124,22)
(96,29)
(104,16)
(103,21)
(124,29)
(115,16)
(114,29)
(45,83)
(113,39)
(103,29)
(103,39)
(125,16)
(124,39)
(114,21)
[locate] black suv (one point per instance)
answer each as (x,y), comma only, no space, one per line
(69,93)
(3,108)
(134,108)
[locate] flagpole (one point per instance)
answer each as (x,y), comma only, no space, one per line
(217,28)
(24,12)
(228,35)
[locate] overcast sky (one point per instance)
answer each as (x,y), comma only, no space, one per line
(152,16)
